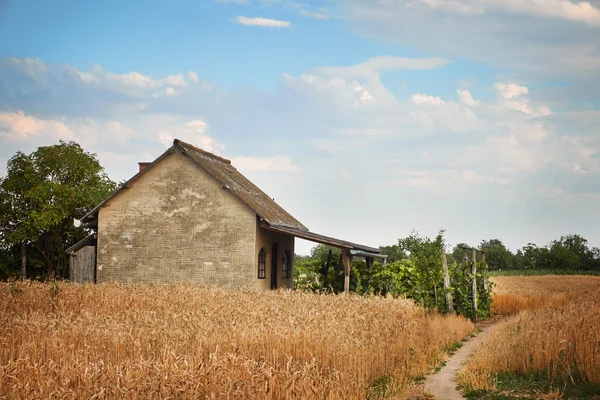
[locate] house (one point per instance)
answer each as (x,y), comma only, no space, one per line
(190,216)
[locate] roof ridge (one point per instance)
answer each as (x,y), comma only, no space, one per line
(199,150)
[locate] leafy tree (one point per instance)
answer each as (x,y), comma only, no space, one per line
(394,253)
(426,256)
(497,256)
(40,196)
(535,257)
(458,253)
(571,252)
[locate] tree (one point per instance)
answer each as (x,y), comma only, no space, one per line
(497,256)
(40,196)
(425,255)
(394,253)
(458,253)
(572,253)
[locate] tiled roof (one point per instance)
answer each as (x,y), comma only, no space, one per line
(240,186)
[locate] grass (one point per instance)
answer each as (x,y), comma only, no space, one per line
(64,340)
(534,387)
(553,337)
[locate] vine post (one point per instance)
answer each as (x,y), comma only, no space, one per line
(447,289)
(474,284)
(23,260)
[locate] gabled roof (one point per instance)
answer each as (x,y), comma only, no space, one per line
(232,180)
(229,177)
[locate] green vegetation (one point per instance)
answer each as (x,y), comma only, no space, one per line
(513,387)
(39,197)
(569,254)
(415,272)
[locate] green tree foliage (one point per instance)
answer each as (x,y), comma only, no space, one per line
(569,253)
(40,196)
(426,257)
(394,253)
(415,272)
(461,276)
(497,256)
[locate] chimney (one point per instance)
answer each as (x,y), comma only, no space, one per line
(143,165)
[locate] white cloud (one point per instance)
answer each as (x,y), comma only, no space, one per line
(193,76)
(265,164)
(371,67)
(16,125)
(264,22)
(466,98)
(419,98)
(168,91)
(33,67)
(583,11)
(194,132)
(512,97)
(529,38)
(344,93)
(176,80)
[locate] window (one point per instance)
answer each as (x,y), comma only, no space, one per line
(262,264)
(286,265)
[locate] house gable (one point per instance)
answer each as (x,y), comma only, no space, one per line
(231,179)
(176,223)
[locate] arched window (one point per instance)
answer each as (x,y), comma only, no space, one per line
(262,264)
(286,265)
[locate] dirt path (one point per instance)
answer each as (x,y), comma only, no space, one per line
(442,384)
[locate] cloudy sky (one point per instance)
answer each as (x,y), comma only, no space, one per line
(363,118)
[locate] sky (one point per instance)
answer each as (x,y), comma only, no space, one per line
(365,119)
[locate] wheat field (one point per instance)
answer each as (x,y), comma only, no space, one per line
(517,293)
(65,340)
(555,333)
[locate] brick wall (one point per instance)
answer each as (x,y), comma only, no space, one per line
(177,224)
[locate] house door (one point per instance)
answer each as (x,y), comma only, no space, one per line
(274,258)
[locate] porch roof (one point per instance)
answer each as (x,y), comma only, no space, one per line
(90,240)
(326,240)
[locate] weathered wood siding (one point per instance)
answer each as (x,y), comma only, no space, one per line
(82,264)
(177,224)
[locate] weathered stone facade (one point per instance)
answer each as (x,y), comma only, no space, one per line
(176,223)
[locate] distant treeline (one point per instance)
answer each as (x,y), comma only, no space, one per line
(570,253)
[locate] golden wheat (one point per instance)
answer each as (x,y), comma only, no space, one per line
(113,341)
(516,293)
(555,334)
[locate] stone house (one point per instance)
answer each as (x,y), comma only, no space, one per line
(190,216)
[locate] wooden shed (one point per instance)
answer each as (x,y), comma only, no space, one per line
(82,260)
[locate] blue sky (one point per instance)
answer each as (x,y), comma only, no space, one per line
(364,119)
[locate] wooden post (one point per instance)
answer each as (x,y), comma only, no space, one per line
(346,260)
(369,262)
(485,278)
(23,261)
(447,290)
(325,271)
(474,284)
